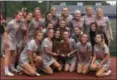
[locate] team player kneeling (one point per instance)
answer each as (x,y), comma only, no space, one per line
(79,58)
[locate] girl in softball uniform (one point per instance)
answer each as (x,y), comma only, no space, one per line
(77,21)
(84,49)
(69,54)
(104,25)
(88,19)
(29,61)
(101,58)
(12,42)
(48,54)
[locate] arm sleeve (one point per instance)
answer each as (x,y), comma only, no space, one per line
(107,21)
(9,26)
(109,27)
(106,49)
(45,43)
(31,46)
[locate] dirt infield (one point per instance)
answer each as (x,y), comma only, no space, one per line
(62,75)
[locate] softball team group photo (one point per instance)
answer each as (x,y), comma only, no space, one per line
(32,44)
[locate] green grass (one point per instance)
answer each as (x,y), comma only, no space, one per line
(113,48)
(113,24)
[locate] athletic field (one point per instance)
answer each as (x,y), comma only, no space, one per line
(62,75)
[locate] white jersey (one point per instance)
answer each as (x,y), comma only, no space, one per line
(31,46)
